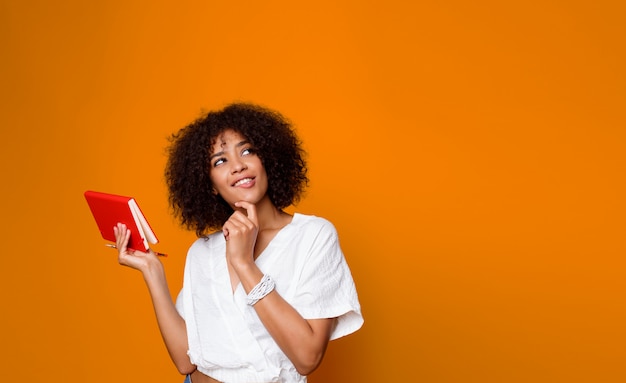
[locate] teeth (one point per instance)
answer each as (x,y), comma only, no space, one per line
(243,181)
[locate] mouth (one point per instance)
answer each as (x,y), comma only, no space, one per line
(243,181)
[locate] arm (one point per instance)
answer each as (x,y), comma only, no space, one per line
(303,341)
(171,324)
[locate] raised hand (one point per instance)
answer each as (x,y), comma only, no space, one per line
(128,257)
(240,232)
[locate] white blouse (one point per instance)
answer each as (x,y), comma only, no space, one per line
(227,340)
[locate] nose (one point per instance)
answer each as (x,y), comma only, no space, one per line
(238,165)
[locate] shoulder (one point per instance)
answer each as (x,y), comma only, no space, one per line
(312,222)
(208,243)
(314,226)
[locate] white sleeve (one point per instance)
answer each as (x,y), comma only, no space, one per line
(325,288)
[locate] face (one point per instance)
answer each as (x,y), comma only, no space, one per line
(235,169)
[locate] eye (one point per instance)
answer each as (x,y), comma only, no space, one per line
(247,151)
(218,162)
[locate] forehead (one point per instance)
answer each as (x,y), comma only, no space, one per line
(228,137)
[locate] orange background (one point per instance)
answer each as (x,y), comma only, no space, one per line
(471,155)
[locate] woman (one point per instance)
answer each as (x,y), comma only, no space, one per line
(264,291)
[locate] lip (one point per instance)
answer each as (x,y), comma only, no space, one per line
(246,185)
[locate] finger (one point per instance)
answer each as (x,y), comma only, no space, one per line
(235,224)
(250,211)
(122,237)
(126,240)
(117,230)
(239,222)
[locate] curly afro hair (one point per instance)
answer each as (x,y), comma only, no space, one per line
(187,169)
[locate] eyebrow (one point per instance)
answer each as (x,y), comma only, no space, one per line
(238,145)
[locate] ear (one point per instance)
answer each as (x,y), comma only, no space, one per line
(214,191)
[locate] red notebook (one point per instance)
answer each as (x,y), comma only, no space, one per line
(109,209)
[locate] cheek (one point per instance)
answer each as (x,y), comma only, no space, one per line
(215,178)
(258,164)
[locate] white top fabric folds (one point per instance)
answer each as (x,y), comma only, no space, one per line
(227,340)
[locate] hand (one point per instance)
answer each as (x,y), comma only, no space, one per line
(240,232)
(129,257)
